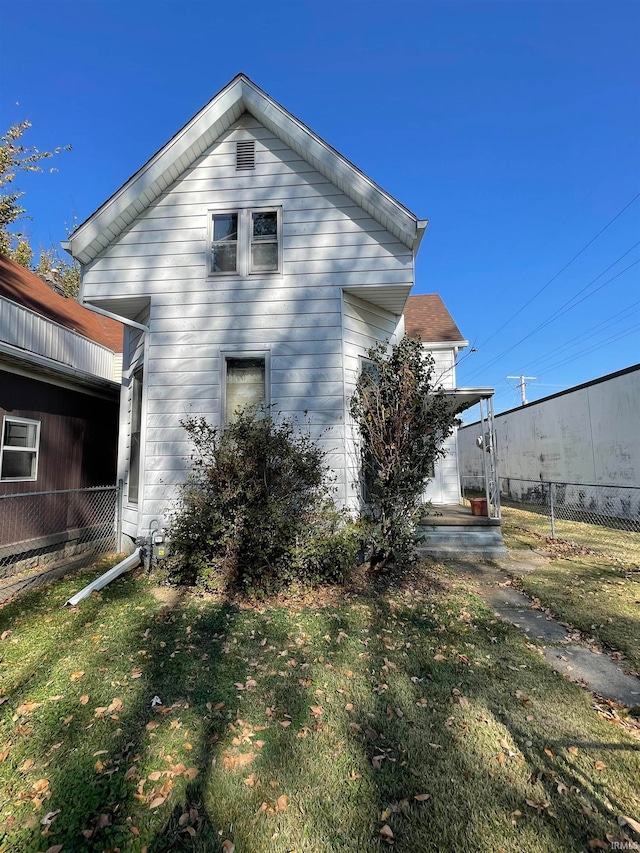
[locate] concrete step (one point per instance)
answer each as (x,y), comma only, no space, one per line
(481,541)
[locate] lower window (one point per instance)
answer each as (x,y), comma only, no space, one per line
(20,446)
(244,384)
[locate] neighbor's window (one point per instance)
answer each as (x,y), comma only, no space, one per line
(19,455)
(244,385)
(136,430)
(246,242)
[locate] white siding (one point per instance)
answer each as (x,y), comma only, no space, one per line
(31,332)
(328,243)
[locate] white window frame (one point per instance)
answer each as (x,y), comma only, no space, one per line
(244,242)
(34,449)
(225,355)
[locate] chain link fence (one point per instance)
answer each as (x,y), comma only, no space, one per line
(39,529)
(615,507)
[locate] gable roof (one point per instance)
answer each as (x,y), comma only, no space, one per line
(239,96)
(27,289)
(426,317)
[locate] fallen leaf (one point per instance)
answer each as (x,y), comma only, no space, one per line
(250,781)
(282,803)
(136,672)
(48,819)
(56,848)
(228,846)
(156,802)
(27,707)
(76,675)
(573,750)
(115,706)
(600,765)
(386,832)
(317,710)
(151,725)
(285,723)
(26,765)
(84,699)
(421,798)
(191,773)
(40,786)
(623,820)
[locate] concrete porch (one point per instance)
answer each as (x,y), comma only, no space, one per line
(452,530)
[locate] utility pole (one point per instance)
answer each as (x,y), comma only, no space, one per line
(522,384)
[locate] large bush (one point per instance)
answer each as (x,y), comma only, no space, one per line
(403,418)
(256,510)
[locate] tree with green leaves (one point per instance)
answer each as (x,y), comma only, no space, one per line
(403,417)
(16,158)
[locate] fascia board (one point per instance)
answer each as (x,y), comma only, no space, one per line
(442,345)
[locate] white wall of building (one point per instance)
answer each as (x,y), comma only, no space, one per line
(588,435)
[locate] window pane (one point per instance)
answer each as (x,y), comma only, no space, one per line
(225,226)
(18,464)
(18,434)
(265,224)
(245,385)
(224,257)
(264,257)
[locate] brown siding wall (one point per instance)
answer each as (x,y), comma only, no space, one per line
(78,434)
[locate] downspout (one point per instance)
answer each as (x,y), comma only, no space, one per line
(122,567)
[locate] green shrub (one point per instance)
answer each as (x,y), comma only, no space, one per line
(256,510)
(403,417)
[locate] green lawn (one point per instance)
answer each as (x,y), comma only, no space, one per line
(340,721)
(595,589)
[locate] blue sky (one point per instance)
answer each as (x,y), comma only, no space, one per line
(514,127)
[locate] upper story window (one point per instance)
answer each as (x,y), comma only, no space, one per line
(246,242)
(20,447)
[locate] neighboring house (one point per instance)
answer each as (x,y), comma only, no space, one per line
(586,435)
(251,263)
(60,367)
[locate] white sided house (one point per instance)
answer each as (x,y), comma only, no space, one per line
(251,262)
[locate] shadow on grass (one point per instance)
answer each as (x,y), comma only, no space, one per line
(348,709)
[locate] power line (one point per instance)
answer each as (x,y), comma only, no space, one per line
(567,345)
(551,280)
(559,312)
(589,350)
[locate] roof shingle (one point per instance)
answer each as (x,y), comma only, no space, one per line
(426,317)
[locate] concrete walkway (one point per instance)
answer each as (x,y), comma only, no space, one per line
(562,648)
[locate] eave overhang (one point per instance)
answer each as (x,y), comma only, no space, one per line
(200,133)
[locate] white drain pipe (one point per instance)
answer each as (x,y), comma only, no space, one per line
(122,567)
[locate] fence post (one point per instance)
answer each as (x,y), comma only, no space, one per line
(551,513)
(119,497)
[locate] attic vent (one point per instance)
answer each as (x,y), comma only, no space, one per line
(245,155)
